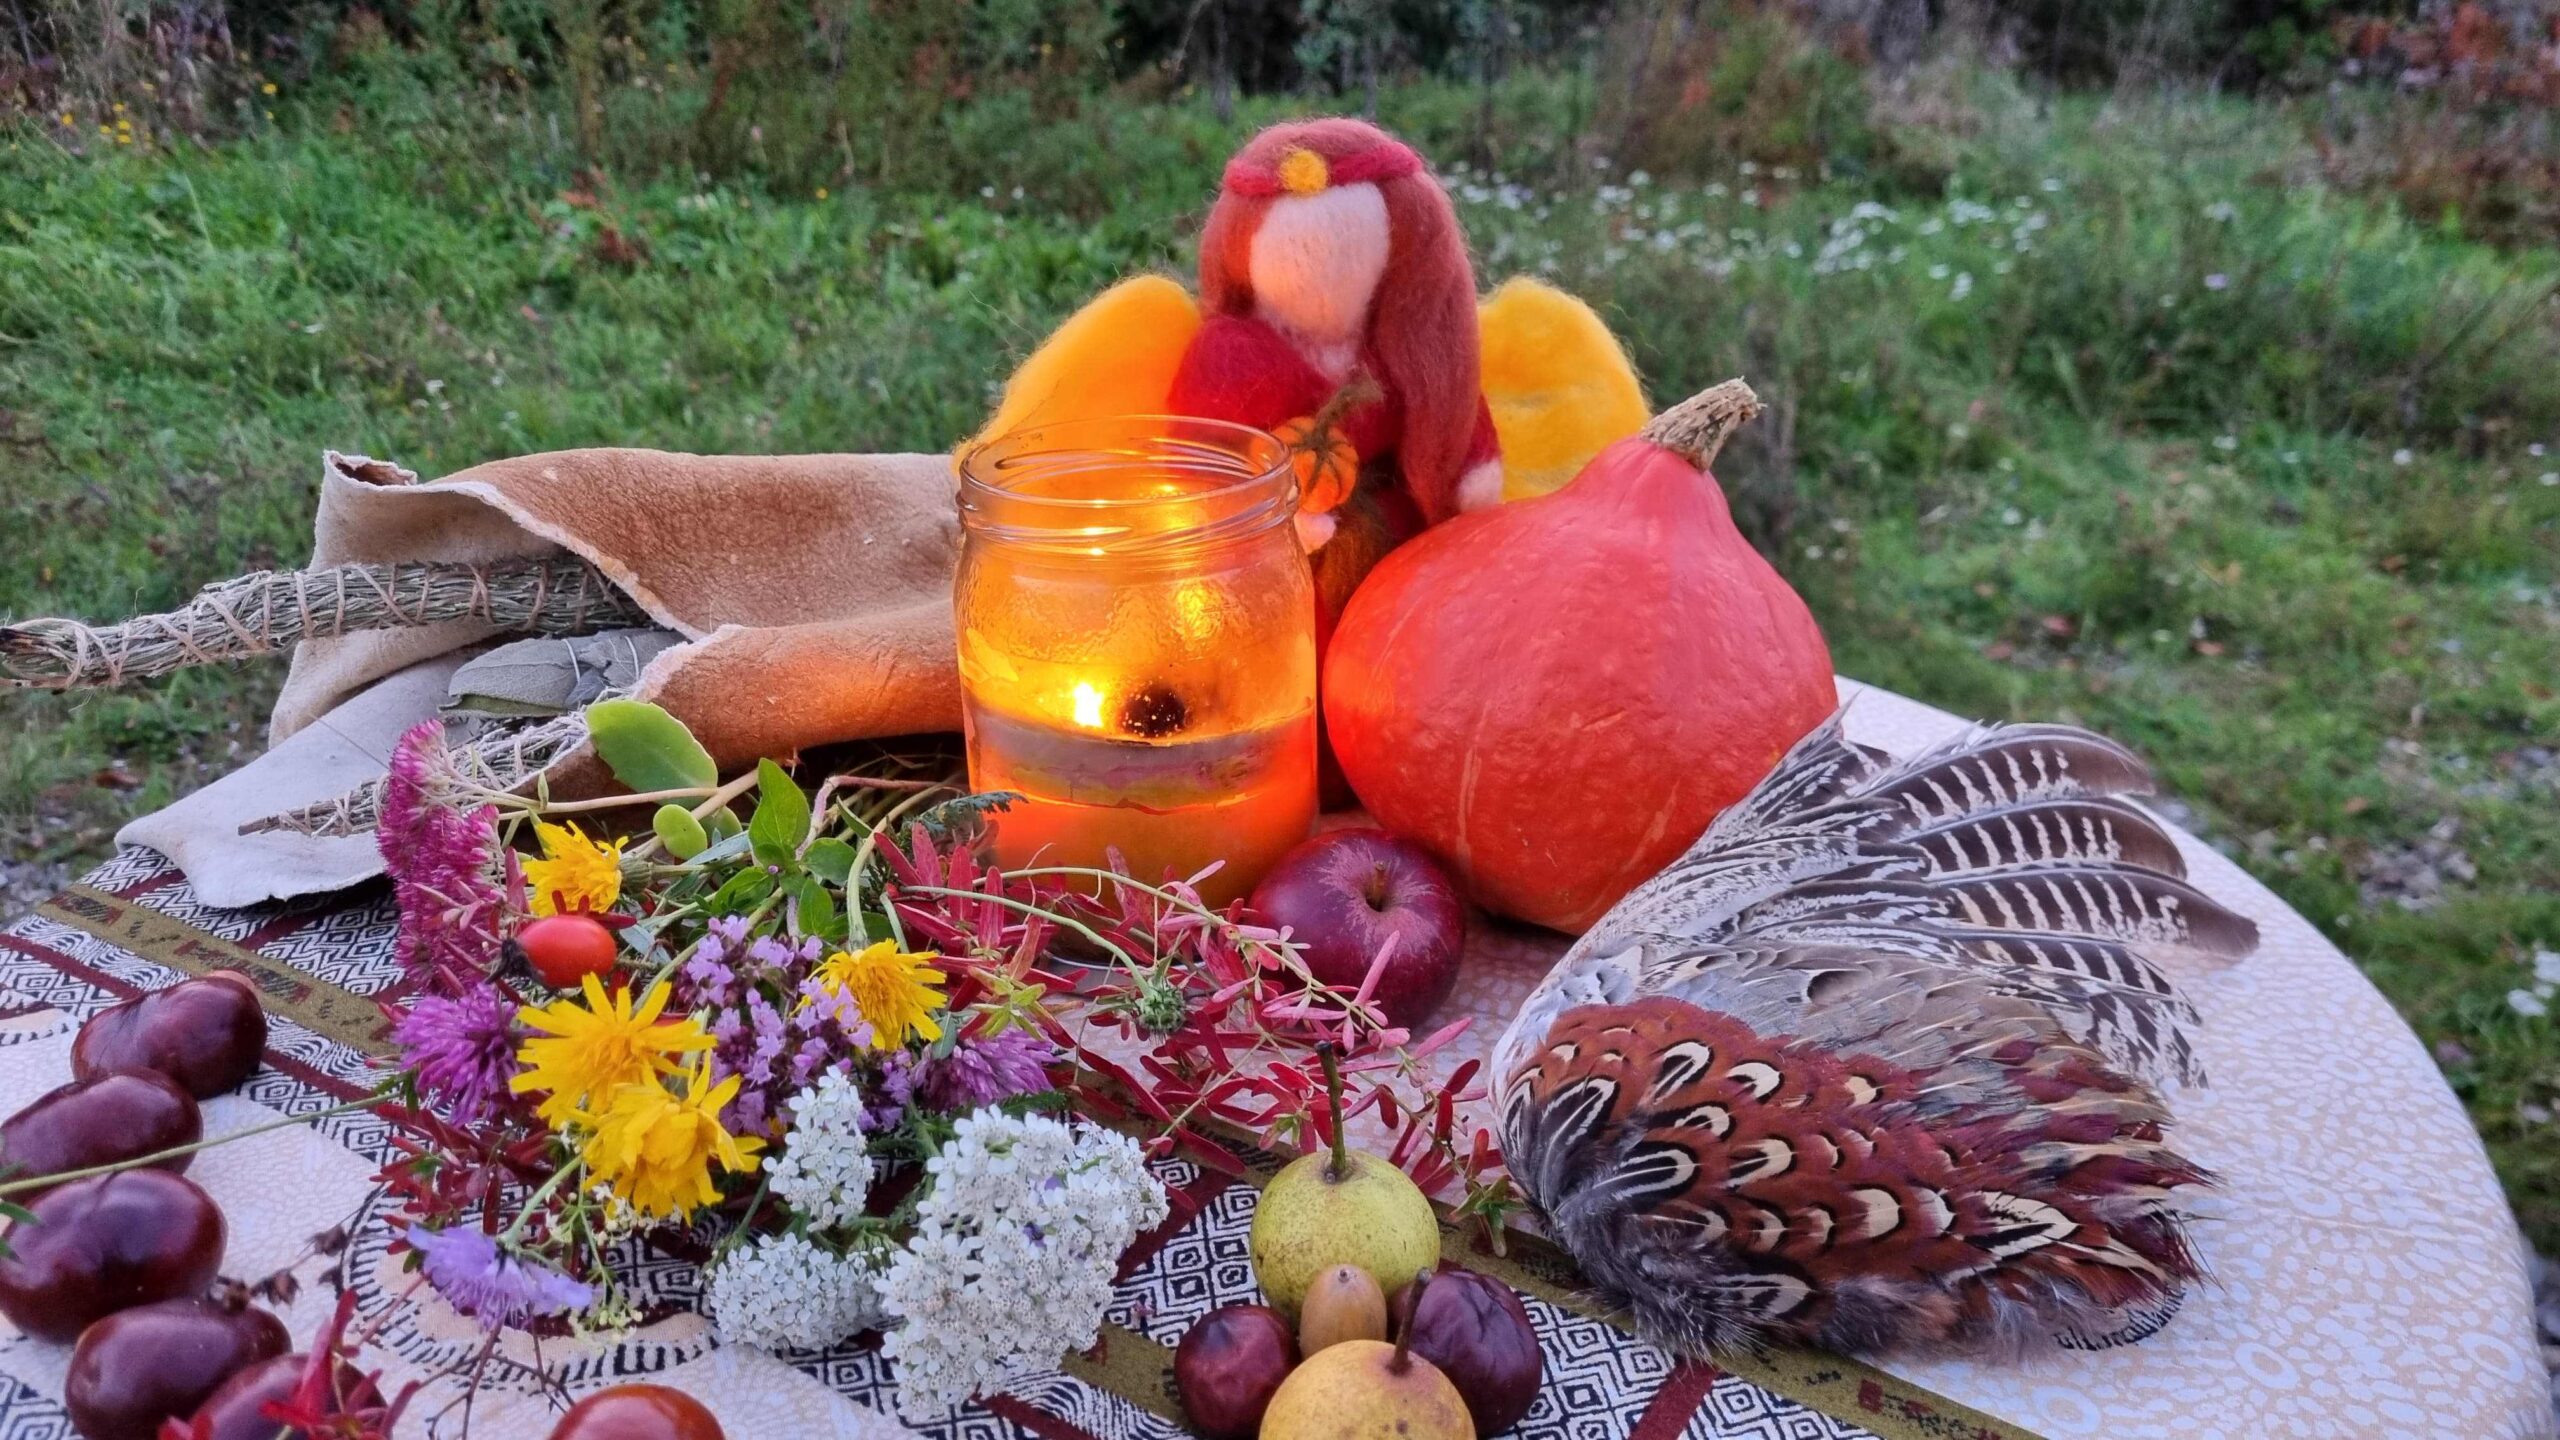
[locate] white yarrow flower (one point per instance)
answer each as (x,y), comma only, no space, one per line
(825,1169)
(784,1293)
(1015,1249)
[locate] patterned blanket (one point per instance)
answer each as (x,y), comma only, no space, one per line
(2368,1278)
(134,926)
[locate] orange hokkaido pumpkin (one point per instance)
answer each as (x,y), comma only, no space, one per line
(1558,694)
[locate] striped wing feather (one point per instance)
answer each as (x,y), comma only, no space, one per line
(1871,1065)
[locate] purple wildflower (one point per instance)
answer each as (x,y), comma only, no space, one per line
(496,1289)
(462,1049)
(980,1071)
(442,861)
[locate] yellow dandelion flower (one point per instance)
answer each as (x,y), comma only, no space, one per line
(588,1051)
(574,873)
(267,89)
(655,1148)
(897,993)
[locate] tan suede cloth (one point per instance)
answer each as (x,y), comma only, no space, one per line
(813,592)
(815,589)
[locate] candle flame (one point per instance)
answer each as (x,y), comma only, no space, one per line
(1088,705)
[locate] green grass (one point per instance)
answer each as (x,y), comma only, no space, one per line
(2107,415)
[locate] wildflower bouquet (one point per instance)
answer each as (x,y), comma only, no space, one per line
(876,1082)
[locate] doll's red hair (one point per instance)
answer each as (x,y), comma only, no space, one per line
(1422,324)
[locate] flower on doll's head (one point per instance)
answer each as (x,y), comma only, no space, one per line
(655,1148)
(461,1048)
(897,992)
(575,874)
(467,1267)
(591,1050)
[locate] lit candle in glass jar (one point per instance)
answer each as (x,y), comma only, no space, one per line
(1137,647)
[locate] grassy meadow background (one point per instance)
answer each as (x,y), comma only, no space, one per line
(2211,400)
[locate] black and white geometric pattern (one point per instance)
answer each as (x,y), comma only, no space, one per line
(1599,1379)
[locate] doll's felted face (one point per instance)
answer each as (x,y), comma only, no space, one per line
(1316,260)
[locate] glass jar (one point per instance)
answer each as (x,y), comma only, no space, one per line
(1137,647)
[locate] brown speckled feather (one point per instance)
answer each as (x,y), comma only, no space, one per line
(1872,1065)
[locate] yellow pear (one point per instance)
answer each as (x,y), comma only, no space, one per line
(1367,1390)
(1342,1207)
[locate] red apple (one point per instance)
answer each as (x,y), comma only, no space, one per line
(1345,894)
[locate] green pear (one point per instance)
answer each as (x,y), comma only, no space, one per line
(1368,1390)
(1343,1207)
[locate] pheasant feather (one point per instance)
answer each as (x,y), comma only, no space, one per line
(1873,1065)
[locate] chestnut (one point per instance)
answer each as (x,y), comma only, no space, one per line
(638,1412)
(207,1034)
(1229,1364)
(92,1247)
(160,1361)
(237,1411)
(100,1121)
(1475,1329)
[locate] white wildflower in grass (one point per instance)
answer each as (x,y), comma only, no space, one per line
(785,1293)
(2525,1002)
(1015,1247)
(2546,966)
(825,1169)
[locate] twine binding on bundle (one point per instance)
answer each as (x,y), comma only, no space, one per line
(273,610)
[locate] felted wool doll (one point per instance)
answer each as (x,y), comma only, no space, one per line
(1337,309)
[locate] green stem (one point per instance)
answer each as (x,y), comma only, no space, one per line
(1339,1169)
(1026,908)
(534,1202)
(862,862)
(46,1182)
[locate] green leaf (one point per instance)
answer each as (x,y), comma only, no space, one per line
(818,914)
(830,859)
(745,890)
(648,749)
(781,820)
(683,835)
(724,826)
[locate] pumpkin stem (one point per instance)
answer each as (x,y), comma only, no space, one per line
(1697,427)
